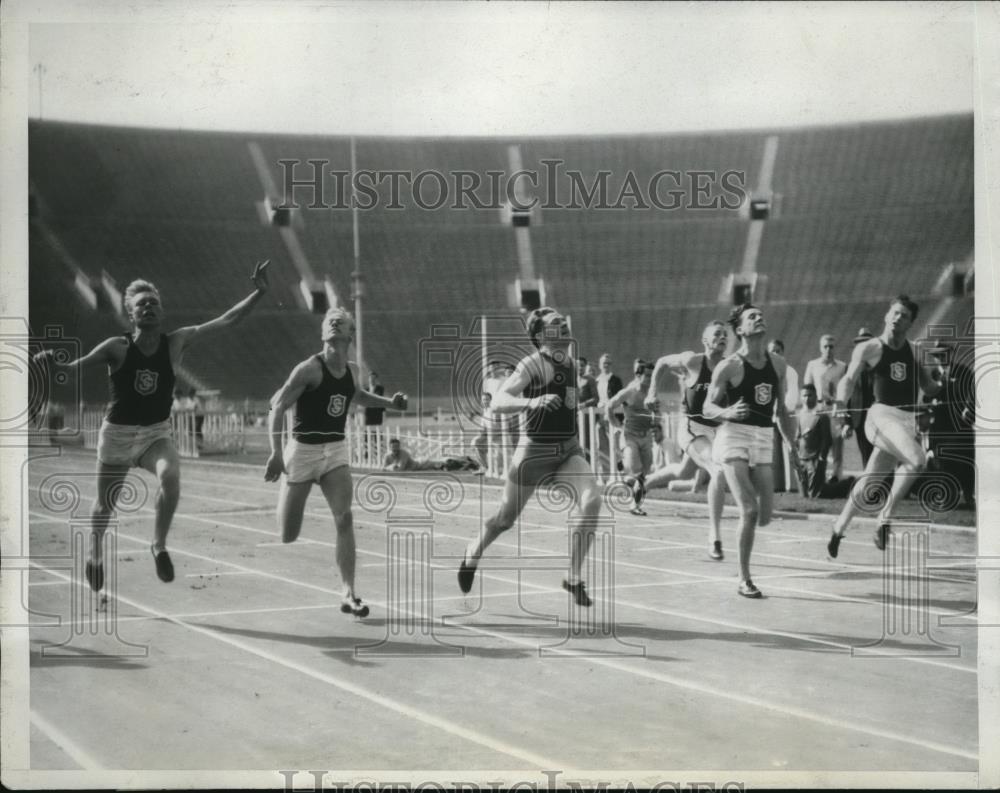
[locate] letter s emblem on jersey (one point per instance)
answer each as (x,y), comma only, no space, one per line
(145,381)
(570,400)
(762,393)
(337,404)
(897,371)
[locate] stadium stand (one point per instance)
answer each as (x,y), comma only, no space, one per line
(860,213)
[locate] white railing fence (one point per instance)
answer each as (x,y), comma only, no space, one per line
(492,448)
(214,433)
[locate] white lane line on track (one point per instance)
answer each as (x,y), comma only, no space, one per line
(87,622)
(619,534)
(690,685)
(780,537)
(618,666)
(555,591)
(670,571)
(730,511)
(546,528)
(757,702)
(81,757)
(216,573)
(626,668)
(388,703)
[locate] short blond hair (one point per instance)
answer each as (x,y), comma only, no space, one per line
(343,313)
(340,313)
(137,287)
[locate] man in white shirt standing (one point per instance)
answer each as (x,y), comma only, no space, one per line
(784,477)
(824,373)
(608,384)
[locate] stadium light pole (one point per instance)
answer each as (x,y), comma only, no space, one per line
(358,279)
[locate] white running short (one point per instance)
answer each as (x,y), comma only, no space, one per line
(748,442)
(125,444)
(308,462)
(691,429)
(895,431)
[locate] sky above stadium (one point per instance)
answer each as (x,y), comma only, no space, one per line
(497,69)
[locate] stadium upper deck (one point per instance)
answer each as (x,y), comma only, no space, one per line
(860,212)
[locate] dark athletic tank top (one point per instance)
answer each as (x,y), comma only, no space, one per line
(759,389)
(694,396)
(142,390)
(552,426)
(321,413)
(895,377)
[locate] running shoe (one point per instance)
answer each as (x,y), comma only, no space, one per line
(833,547)
(638,488)
(164,567)
(716,552)
(466,575)
(95,575)
(578,591)
(354,606)
(882,535)
(749,590)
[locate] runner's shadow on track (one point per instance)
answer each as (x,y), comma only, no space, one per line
(51,660)
(916,648)
(339,648)
(558,638)
(785,567)
(957,606)
(638,633)
(344,648)
(860,575)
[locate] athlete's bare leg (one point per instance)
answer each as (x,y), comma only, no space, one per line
(895,449)
(880,465)
(110,479)
(763,480)
(904,447)
(292,498)
(515,496)
(742,487)
(338,489)
(700,450)
(583,521)
(162,460)
(662,477)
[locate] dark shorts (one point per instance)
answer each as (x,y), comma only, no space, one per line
(533,460)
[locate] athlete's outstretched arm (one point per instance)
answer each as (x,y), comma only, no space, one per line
(303,376)
(367,399)
(623,396)
(259,277)
(668,364)
(108,351)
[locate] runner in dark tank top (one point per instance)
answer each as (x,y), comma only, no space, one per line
(747,394)
(897,375)
(136,432)
(543,388)
(321,389)
(697,432)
